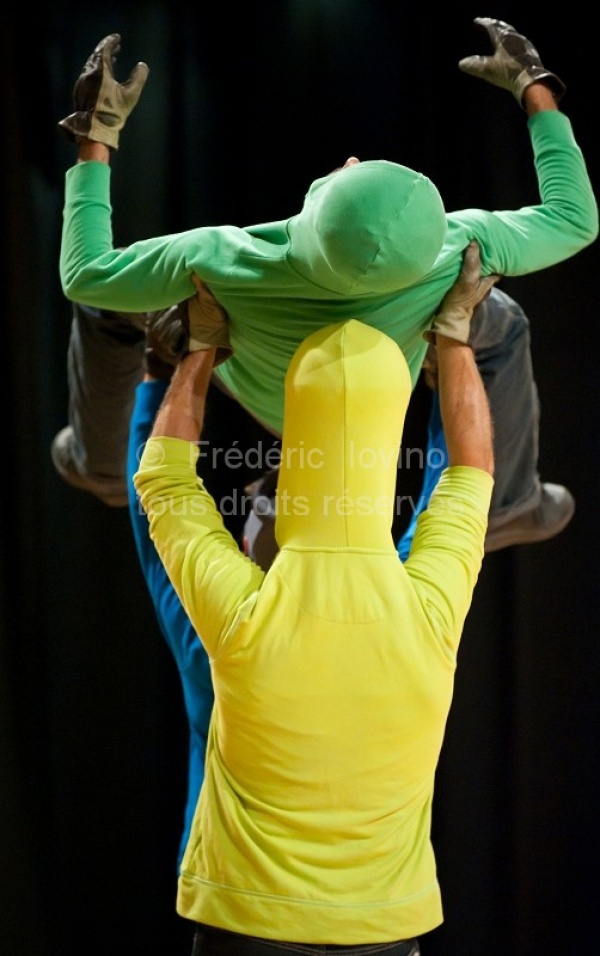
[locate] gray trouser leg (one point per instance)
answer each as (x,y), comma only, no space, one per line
(104,366)
(501,340)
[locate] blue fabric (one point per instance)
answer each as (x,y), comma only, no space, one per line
(190,657)
(436,461)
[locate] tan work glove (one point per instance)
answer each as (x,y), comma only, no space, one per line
(167,336)
(102,105)
(168,331)
(453,318)
(515,65)
(207,323)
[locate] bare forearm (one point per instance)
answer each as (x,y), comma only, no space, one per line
(92,151)
(181,414)
(464,406)
(538,97)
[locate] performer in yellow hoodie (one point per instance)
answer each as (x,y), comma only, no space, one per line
(333,672)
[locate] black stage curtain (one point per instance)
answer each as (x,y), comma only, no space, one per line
(245,105)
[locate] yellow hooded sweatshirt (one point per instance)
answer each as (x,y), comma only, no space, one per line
(333,672)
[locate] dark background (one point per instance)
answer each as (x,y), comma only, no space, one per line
(244,106)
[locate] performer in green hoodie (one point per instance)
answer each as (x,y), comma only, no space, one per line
(372,240)
(333,671)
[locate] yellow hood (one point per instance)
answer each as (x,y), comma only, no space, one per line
(346,393)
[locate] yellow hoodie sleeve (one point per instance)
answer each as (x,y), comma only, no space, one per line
(447,550)
(215,582)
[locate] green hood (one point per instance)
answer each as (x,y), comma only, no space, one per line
(375,227)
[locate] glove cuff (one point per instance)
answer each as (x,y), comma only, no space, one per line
(207,324)
(222,354)
(539,75)
(455,327)
(83,125)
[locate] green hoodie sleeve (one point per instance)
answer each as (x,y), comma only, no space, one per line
(517,242)
(146,275)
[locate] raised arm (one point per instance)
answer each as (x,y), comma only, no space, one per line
(463,401)
(92,270)
(181,414)
(448,545)
(520,241)
(203,560)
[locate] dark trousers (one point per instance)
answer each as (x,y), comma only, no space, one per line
(210,941)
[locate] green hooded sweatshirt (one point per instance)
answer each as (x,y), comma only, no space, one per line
(371,242)
(333,672)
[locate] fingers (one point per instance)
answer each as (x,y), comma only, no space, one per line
(494,28)
(112,40)
(487,24)
(487,283)
(470,275)
(109,48)
(137,78)
(471,269)
(472,64)
(471,260)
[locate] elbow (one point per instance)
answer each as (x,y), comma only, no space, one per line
(579,227)
(74,286)
(69,283)
(591,233)
(589,229)
(70,290)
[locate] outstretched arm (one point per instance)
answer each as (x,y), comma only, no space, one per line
(464,406)
(181,414)
(91,269)
(448,545)
(201,556)
(520,241)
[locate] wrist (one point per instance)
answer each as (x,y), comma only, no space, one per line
(91,151)
(196,368)
(538,97)
(447,342)
(181,414)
